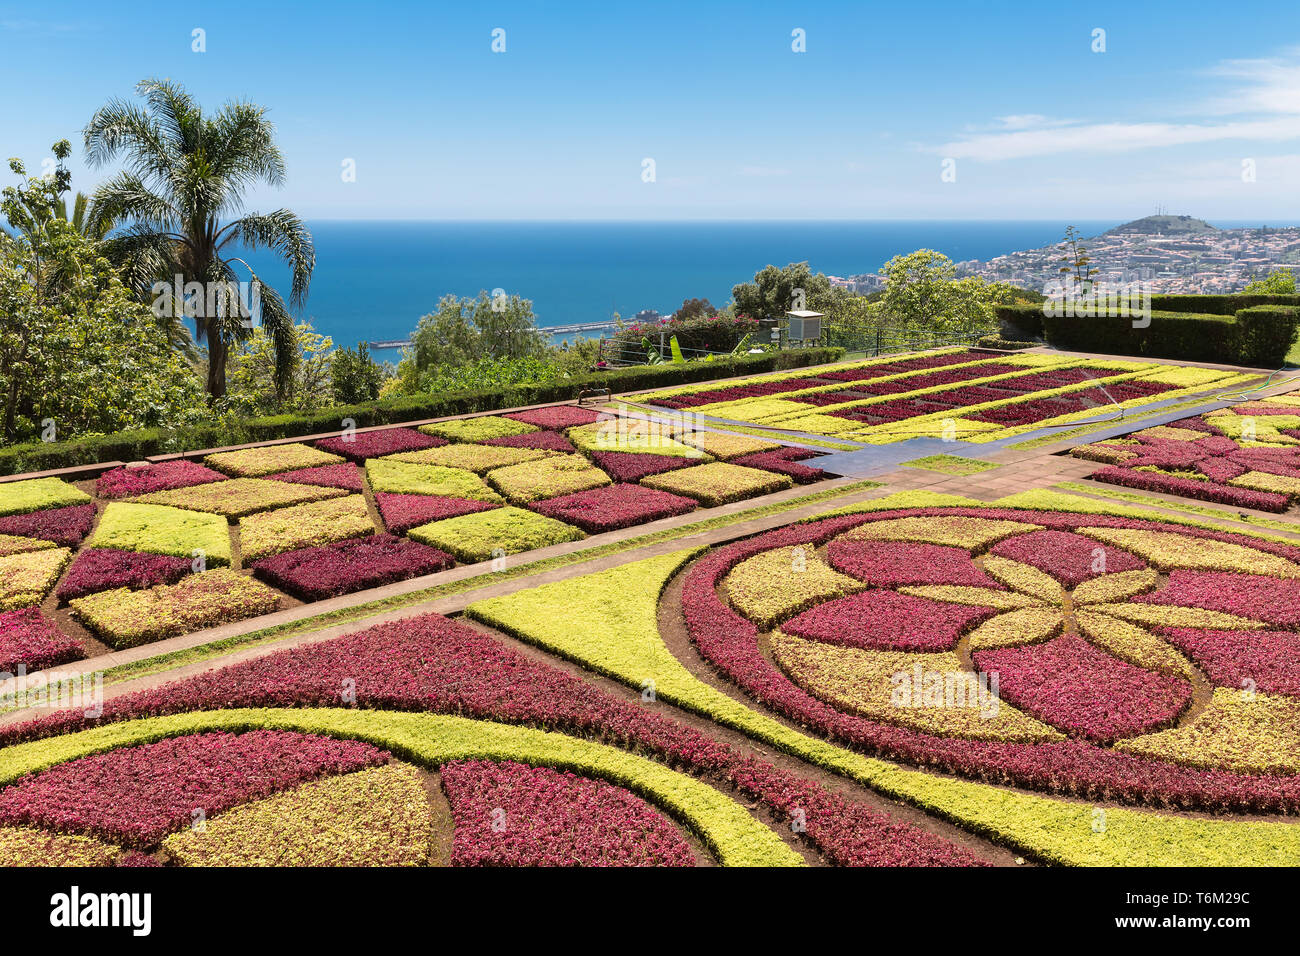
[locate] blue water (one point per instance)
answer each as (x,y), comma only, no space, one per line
(374,279)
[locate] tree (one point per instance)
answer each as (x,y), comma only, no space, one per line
(922,292)
(253,388)
(355,377)
(774,292)
(1075,259)
(695,309)
(464,330)
(185,178)
(1281,282)
(78,353)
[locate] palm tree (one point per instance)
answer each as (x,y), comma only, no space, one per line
(181,194)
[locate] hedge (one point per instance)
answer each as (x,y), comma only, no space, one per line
(1255,335)
(143,443)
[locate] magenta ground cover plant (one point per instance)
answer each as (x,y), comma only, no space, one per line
(102,569)
(162,476)
(613,507)
(64,526)
(1275,600)
(1264,661)
(134,796)
(886,620)
(511,814)
(629,466)
(343,567)
(906,365)
(376,444)
(785,461)
(545,440)
(345,475)
(556,417)
(30,640)
(909,384)
(430,663)
(404,512)
(1193,488)
(894,563)
(1068,557)
(1084,691)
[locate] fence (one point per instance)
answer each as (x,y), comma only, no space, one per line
(879,341)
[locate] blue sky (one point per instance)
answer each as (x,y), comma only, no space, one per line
(739,126)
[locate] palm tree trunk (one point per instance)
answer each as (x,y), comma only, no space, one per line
(217,353)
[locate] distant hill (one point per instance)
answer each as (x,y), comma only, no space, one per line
(1162,225)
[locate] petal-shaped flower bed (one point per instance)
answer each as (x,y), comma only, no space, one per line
(346,476)
(375,444)
(1268,661)
(613,506)
(163,476)
(885,563)
(887,620)
(267,459)
(510,814)
(314,574)
(1070,558)
(30,640)
(103,569)
(64,526)
(403,512)
(1269,599)
(137,795)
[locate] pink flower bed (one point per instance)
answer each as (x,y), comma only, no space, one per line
(1273,600)
(1266,661)
(547,441)
(430,663)
(555,417)
(1084,691)
(1075,768)
(785,461)
(886,620)
(736,392)
(914,382)
(345,475)
(137,795)
(511,814)
(64,526)
(313,574)
(613,507)
(633,466)
(403,512)
(1070,558)
(897,563)
(163,476)
(102,569)
(30,640)
(387,441)
(905,365)
(1191,488)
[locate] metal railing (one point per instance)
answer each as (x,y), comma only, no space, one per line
(883,340)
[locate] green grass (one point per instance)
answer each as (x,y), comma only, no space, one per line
(158,529)
(951,464)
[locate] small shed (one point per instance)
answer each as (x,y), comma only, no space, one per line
(805,326)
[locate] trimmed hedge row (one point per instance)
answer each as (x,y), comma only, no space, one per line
(142,443)
(1256,335)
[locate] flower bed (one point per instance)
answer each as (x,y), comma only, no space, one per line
(376,444)
(346,476)
(476,458)
(632,437)
(626,466)
(157,529)
(123,618)
(718,482)
(885,620)
(313,574)
(785,462)
(240,497)
(103,569)
(556,417)
(304,526)
(12,544)
(36,494)
(163,476)
(727,445)
(510,814)
(545,441)
(30,640)
(401,513)
(267,459)
(547,478)
(396,477)
(64,526)
(26,578)
(478,429)
(613,506)
(495,533)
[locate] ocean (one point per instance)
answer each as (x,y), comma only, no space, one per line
(374,279)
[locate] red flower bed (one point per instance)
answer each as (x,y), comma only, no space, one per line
(1084,691)
(64,526)
(555,417)
(1266,661)
(430,663)
(163,476)
(914,382)
(31,641)
(905,365)
(547,441)
(887,620)
(1070,558)
(137,795)
(897,563)
(785,461)
(345,475)
(1071,767)
(1274,600)
(313,574)
(511,814)
(633,466)
(735,392)
(387,441)
(102,569)
(1191,488)
(403,512)
(613,507)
